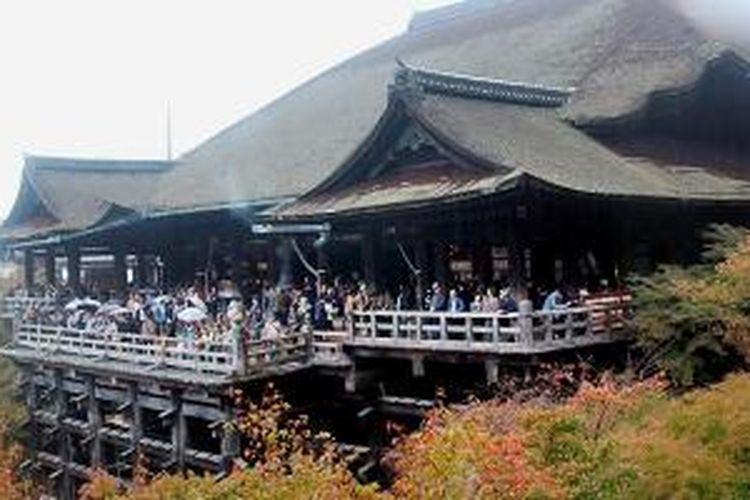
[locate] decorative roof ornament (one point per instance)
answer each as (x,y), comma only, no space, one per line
(416,80)
(405,82)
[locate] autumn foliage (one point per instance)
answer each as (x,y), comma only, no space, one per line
(609,441)
(694,323)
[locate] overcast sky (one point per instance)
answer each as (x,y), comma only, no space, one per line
(91,78)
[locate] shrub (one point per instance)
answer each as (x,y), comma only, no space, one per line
(694,323)
(609,441)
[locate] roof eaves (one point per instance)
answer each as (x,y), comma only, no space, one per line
(476,87)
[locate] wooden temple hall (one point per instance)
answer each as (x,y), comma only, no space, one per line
(525,145)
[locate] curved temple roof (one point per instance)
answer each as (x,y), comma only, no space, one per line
(615,53)
(72,194)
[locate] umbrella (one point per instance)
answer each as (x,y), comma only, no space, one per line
(73,305)
(163,298)
(191,315)
(118,311)
(197,302)
(106,308)
(88,303)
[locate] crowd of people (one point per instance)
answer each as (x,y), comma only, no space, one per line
(214,312)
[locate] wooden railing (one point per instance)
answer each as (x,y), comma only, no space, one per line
(225,357)
(524,331)
(15,306)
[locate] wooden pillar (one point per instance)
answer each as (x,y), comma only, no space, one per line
(143,269)
(421,281)
(136,420)
(417,366)
(66,488)
(28,268)
(32,403)
(121,270)
(74,268)
(321,262)
(50,274)
(350,380)
(271,262)
(230,439)
(285,258)
(517,246)
(179,431)
(492,371)
(441,261)
(95,422)
(369,266)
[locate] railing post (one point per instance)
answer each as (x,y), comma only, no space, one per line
(568,325)
(418,328)
(352,328)
(607,320)
(309,347)
(495,329)
(469,328)
(373,325)
(394,333)
(443,327)
(526,321)
(238,355)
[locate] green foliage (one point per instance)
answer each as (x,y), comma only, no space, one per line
(608,442)
(693,323)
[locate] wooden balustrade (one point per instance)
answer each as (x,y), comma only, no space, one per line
(15,306)
(225,357)
(525,331)
(516,333)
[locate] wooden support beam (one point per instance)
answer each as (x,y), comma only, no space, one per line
(32,403)
(95,422)
(144,265)
(28,268)
(136,419)
(440,261)
(66,489)
(74,268)
(230,439)
(417,366)
(350,382)
(492,371)
(179,430)
(50,273)
(421,281)
(121,271)
(369,256)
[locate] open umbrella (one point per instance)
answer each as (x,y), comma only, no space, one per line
(88,303)
(73,305)
(119,311)
(197,302)
(191,315)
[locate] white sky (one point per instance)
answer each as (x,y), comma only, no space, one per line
(91,78)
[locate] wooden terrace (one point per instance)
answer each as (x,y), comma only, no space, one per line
(403,334)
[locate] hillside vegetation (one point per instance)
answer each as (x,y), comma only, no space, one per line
(678,426)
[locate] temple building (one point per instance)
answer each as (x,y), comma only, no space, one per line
(594,118)
(519,144)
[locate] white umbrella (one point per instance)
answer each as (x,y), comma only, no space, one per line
(106,308)
(90,303)
(197,302)
(191,315)
(73,305)
(119,310)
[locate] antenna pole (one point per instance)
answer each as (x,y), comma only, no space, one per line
(169,131)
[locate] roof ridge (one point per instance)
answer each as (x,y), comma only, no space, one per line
(478,87)
(98,164)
